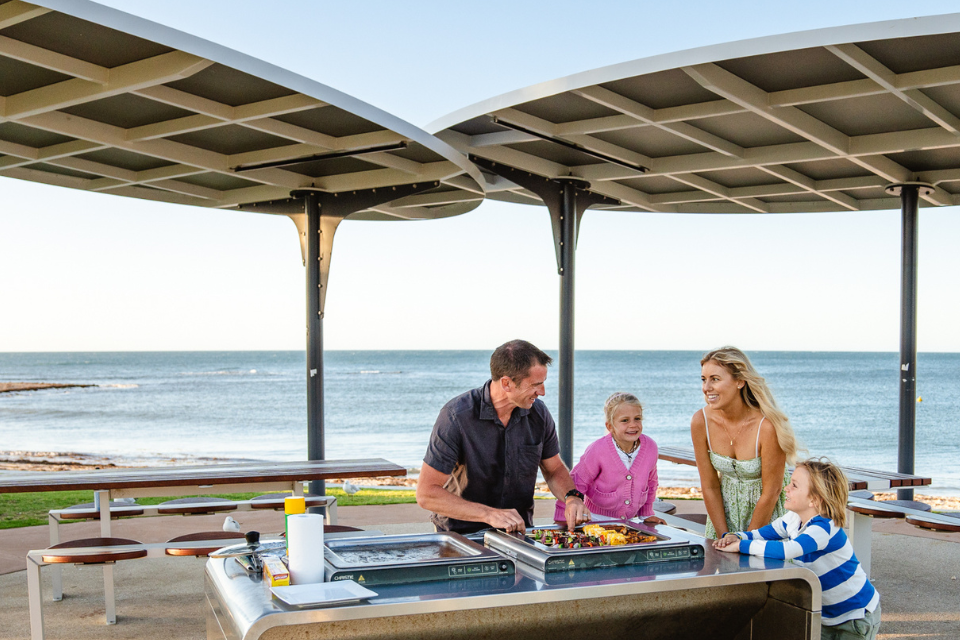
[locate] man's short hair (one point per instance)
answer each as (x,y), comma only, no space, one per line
(514,360)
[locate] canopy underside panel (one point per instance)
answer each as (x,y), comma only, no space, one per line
(819,128)
(90,107)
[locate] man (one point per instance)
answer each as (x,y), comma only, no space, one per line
(481,465)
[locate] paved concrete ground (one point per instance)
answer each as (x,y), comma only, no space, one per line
(916,572)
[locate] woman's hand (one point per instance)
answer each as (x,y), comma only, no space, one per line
(654,520)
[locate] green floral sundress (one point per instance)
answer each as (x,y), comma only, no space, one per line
(741,486)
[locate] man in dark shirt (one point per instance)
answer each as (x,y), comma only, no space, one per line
(481,464)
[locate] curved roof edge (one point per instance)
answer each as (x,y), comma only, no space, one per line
(161,34)
(865,32)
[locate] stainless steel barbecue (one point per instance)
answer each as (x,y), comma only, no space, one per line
(669,545)
(411,558)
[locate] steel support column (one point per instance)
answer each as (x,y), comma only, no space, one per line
(317,215)
(312,262)
(566,199)
(909,206)
(568,224)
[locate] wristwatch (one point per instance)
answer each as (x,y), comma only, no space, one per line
(574,493)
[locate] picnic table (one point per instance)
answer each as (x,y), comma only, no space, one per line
(176,481)
(860,524)
(859,477)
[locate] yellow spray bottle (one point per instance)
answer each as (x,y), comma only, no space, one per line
(292,505)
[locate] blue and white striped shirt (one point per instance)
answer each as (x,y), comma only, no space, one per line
(822,547)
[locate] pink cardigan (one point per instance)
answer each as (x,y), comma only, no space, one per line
(612,490)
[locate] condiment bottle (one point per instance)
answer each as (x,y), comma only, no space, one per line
(292,505)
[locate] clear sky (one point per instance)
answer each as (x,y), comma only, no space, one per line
(82,271)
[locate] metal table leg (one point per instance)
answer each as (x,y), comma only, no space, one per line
(35,598)
(53,524)
(860,532)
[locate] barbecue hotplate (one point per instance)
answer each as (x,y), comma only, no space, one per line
(411,558)
(661,548)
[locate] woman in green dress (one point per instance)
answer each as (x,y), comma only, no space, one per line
(743,443)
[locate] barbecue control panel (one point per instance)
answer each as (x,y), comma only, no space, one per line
(615,557)
(479,568)
(423,572)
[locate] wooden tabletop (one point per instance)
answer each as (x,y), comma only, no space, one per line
(858,477)
(210,474)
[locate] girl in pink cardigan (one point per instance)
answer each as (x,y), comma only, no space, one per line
(618,472)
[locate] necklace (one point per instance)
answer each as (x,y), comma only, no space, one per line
(739,431)
(633,449)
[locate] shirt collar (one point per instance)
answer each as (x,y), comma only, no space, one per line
(487,410)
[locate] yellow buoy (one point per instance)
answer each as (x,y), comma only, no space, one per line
(919,399)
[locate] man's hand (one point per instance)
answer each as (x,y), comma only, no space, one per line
(507,519)
(575,512)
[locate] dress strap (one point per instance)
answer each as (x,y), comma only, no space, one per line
(707,427)
(757,446)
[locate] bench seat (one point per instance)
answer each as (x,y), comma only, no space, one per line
(935,522)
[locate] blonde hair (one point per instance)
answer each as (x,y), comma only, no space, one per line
(828,488)
(756,394)
(617,400)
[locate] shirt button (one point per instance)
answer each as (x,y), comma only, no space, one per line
(629,477)
(626,502)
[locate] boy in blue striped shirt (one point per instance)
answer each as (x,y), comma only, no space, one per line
(811,535)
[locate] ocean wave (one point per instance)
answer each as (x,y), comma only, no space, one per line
(119,386)
(224,372)
(371,372)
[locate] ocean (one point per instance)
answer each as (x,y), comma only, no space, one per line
(154,408)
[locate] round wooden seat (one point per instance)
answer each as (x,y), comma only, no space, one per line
(203,535)
(863,494)
(87,511)
(934,524)
(196,506)
(888,508)
(275,501)
(908,504)
(662,506)
(66,556)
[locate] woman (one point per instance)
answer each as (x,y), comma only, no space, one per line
(618,472)
(743,442)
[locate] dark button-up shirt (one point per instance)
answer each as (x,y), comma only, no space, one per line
(488,462)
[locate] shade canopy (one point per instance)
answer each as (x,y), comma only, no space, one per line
(814,121)
(95,99)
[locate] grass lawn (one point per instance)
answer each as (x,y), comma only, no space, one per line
(30,509)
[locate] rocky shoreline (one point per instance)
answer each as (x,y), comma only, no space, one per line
(9,387)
